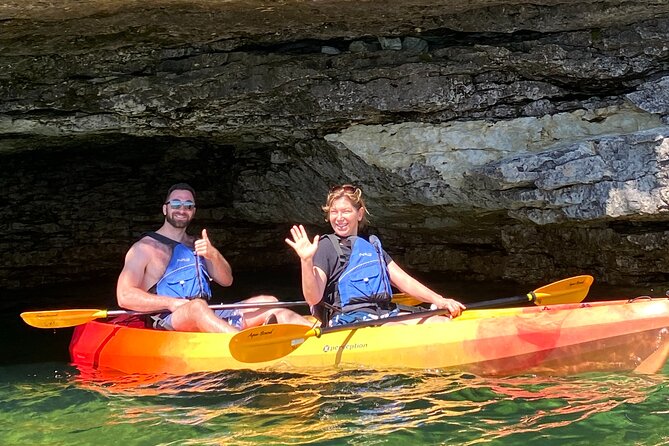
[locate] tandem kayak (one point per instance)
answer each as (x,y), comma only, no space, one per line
(620,335)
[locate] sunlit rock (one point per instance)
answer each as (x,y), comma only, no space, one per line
(493,139)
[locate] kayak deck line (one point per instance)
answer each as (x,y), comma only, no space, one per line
(560,339)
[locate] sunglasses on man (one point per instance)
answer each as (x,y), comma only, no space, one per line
(177,204)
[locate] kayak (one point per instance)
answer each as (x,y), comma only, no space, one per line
(620,335)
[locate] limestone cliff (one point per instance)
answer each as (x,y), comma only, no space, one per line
(493,139)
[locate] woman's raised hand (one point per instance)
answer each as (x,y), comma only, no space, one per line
(303,246)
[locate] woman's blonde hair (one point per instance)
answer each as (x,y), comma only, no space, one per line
(353,193)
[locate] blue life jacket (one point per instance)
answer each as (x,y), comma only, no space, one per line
(186,275)
(364,283)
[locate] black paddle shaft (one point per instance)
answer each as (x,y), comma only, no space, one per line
(424,314)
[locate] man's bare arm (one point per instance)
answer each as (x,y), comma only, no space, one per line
(129,287)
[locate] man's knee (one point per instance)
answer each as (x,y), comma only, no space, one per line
(262,298)
(198,306)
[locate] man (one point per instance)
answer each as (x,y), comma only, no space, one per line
(168,271)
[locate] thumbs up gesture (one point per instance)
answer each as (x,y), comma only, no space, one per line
(203,246)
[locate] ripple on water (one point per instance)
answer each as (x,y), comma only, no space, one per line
(50,406)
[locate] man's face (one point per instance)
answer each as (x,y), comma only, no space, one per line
(176,209)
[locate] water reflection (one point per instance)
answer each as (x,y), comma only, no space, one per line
(49,403)
(249,407)
(531,404)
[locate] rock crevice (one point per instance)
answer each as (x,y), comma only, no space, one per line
(480,132)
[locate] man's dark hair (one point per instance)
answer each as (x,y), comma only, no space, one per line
(180,186)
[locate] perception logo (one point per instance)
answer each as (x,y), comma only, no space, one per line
(334,348)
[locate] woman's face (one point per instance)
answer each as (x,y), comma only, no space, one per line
(344,217)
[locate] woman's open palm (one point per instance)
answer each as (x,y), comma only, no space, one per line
(303,246)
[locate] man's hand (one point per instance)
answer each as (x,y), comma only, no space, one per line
(176,303)
(203,246)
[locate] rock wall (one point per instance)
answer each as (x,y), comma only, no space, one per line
(513,140)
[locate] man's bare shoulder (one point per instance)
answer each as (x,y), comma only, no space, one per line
(150,256)
(188,240)
(148,246)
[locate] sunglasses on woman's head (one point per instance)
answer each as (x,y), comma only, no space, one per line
(348,188)
(176,204)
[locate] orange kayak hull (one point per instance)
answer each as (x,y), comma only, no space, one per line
(557,340)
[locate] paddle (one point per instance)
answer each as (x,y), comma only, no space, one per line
(70,318)
(406,299)
(259,344)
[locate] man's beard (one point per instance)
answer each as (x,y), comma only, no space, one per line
(177,223)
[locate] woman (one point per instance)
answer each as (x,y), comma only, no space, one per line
(346,278)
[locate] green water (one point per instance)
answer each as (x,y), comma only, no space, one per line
(44,401)
(44,404)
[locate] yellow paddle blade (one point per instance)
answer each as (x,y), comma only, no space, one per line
(269,342)
(406,299)
(566,291)
(61,318)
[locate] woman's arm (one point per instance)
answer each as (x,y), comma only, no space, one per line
(407,284)
(313,278)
